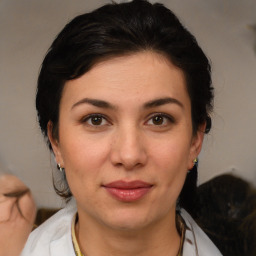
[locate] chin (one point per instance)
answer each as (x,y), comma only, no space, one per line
(128,220)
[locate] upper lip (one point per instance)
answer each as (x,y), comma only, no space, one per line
(120,184)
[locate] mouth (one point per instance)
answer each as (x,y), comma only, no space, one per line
(128,191)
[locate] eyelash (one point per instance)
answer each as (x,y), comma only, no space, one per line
(169,118)
(91,116)
(165,118)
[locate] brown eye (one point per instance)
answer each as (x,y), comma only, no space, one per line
(158,120)
(96,120)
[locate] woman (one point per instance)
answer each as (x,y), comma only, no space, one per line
(124,96)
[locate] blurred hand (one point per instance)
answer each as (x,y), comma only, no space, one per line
(17,215)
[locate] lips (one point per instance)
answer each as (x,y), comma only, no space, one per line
(128,191)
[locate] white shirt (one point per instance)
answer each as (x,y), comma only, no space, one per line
(53,237)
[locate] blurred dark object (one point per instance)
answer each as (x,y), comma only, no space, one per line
(189,191)
(225,208)
(43,214)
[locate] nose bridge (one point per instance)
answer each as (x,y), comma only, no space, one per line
(128,148)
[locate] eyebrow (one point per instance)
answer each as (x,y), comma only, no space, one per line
(162,101)
(94,102)
(107,105)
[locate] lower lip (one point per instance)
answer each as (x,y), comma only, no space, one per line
(128,195)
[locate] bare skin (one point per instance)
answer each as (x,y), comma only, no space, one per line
(17,215)
(128,119)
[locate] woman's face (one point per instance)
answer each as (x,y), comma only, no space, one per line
(126,141)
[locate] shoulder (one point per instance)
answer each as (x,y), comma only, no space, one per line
(53,236)
(197,243)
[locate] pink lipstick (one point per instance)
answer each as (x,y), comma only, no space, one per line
(128,191)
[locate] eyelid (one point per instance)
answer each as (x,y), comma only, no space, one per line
(170,119)
(164,115)
(87,117)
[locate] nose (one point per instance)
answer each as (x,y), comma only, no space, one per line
(128,149)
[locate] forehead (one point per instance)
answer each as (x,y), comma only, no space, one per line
(141,76)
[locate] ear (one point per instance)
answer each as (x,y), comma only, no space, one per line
(196,145)
(55,144)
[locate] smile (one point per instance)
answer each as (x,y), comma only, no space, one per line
(128,191)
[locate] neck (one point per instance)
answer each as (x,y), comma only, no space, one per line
(160,238)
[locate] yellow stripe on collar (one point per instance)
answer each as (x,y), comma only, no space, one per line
(73,234)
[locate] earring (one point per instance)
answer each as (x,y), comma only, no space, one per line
(60,168)
(195,161)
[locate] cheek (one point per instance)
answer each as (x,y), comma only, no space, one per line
(173,169)
(82,149)
(171,158)
(83,159)
(172,153)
